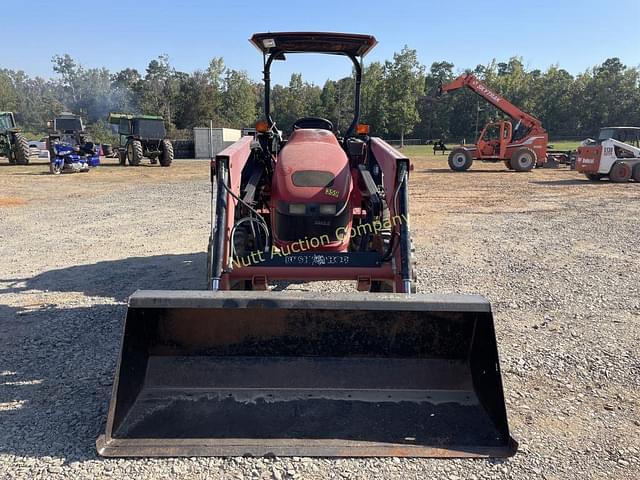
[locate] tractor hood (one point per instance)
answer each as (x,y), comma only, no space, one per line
(312,168)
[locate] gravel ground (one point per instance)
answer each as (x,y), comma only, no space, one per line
(557,256)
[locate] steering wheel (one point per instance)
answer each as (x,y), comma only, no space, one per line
(313,122)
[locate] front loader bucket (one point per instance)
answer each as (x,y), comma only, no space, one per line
(265,373)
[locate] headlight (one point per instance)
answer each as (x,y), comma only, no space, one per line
(297,208)
(328,209)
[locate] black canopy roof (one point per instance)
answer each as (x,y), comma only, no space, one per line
(314,42)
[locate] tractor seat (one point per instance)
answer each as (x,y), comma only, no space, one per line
(313,122)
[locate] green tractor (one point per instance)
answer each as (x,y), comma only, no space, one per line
(66,128)
(13,144)
(142,136)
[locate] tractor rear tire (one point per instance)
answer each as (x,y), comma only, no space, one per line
(620,172)
(594,177)
(460,160)
(523,160)
(134,152)
(21,150)
(636,172)
(166,155)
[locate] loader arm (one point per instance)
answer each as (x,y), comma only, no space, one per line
(475,85)
(635,151)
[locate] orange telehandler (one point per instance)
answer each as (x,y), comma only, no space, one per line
(521,143)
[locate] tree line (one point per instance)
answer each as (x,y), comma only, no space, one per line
(398,97)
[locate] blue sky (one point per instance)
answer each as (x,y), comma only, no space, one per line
(117,34)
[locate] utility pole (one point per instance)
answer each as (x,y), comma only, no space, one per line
(478,110)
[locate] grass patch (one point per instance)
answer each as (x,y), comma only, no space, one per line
(564,145)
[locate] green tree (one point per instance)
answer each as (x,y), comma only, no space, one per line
(405,84)
(196,102)
(435,113)
(158,90)
(123,86)
(335,102)
(8,94)
(239,99)
(298,99)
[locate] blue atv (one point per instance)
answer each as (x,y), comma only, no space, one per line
(68,158)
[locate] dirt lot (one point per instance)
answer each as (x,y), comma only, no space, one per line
(558,257)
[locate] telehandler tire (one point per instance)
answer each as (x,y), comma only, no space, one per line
(460,160)
(166,156)
(620,172)
(523,160)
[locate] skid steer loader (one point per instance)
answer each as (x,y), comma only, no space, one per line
(240,369)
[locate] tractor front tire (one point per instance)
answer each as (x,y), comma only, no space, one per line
(523,160)
(166,155)
(21,150)
(636,173)
(134,152)
(460,160)
(620,172)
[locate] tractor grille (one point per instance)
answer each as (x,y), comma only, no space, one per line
(291,228)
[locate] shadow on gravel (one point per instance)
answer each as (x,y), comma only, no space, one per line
(117,165)
(31,163)
(57,363)
(55,382)
(577,181)
(119,278)
(448,170)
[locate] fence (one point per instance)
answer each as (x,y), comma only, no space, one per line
(407,141)
(183,148)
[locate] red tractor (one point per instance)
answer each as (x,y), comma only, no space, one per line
(226,372)
(520,143)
